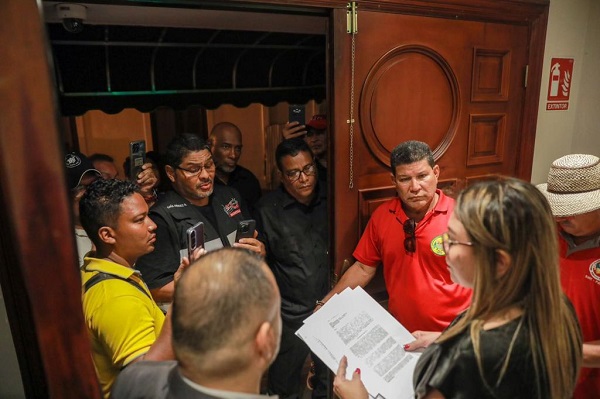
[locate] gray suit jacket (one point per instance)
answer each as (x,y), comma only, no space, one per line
(157,380)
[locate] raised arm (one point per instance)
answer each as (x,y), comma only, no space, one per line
(292,130)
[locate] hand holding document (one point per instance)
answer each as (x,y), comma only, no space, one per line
(354,325)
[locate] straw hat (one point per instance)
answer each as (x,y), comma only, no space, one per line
(573,185)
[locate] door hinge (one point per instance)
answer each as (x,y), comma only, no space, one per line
(352,17)
(526,75)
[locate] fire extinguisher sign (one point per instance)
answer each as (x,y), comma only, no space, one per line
(559,87)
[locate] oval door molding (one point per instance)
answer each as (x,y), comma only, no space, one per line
(411,93)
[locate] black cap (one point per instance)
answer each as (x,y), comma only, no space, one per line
(77,165)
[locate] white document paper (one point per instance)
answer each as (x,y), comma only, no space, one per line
(355,325)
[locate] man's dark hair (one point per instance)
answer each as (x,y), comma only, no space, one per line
(101,157)
(290,147)
(410,152)
(219,302)
(182,145)
(101,205)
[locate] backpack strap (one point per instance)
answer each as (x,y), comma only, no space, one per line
(105,276)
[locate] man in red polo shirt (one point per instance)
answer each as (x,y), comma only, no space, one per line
(573,191)
(405,235)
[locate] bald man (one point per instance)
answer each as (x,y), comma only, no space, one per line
(226,147)
(226,326)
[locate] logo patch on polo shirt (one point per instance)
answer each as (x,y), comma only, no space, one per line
(232,208)
(595,270)
(437,247)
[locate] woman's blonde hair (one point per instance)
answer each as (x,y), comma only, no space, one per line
(512,216)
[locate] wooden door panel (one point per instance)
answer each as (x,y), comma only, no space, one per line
(455,84)
(416,86)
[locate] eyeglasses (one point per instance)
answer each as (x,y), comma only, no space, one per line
(410,242)
(209,166)
(447,242)
(308,170)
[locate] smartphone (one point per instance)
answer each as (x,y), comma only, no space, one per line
(297,112)
(137,156)
(195,238)
(245,229)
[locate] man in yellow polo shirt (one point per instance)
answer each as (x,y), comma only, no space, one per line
(124,323)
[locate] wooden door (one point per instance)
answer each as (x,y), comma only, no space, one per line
(457,84)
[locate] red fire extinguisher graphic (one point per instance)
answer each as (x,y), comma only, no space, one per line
(561,76)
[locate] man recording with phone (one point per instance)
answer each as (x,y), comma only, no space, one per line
(315,134)
(293,224)
(146,178)
(190,167)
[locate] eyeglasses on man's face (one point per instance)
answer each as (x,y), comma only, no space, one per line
(294,174)
(196,170)
(448,243)
(410,242)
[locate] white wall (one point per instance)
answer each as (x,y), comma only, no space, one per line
(573,32)
(587,122)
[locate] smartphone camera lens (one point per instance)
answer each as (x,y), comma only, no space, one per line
(193,238)
(244,228)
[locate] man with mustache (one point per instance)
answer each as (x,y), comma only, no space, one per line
(293,224)
(226,146)
(195,198)
(124,324)
(315,135)
(404,235)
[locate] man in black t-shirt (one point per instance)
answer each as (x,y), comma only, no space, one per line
(226,145)
(191,170)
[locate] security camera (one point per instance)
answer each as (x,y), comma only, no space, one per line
(72,16)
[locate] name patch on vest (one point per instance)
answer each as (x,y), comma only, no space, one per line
(176,206)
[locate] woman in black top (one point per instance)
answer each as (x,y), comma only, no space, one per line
(520,337)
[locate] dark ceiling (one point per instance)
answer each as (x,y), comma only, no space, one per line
(111,67)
